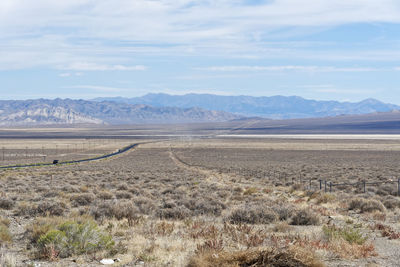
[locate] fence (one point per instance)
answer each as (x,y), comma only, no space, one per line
(327,186)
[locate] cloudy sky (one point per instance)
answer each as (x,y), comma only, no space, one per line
(344,50)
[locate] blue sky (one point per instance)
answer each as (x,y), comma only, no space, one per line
(319,49)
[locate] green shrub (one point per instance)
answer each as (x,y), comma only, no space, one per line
(73,238)
(351,235)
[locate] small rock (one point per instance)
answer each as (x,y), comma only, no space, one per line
(107,261)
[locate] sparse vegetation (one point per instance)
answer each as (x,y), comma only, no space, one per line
(198,203)
(71,238)
(304,217)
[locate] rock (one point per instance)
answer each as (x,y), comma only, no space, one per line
(107,261)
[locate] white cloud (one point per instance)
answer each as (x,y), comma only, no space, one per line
(287,68)
(98,88)
(85,66)
(109,33)
(69,74)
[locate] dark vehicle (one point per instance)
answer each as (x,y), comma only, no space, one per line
(55,161)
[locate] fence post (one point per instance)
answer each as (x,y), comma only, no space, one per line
(310,184)
(330,187)
(320,184)
(364,186)
(325,186)
(398,187)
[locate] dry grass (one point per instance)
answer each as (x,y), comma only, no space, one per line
(291,257)
(243,205)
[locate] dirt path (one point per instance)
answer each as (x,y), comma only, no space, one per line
(214,177)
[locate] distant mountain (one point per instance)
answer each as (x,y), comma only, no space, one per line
(67,111)
(274,107)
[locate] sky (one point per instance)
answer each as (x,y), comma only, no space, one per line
(345,50)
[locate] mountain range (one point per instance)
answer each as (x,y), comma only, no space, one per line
(68,111)
(274,107)
(163,108)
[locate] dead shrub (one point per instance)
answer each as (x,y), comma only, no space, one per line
(304,217)
(290,257)
(164,228)
(210,246)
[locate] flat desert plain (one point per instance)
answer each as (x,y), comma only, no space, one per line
(210,201)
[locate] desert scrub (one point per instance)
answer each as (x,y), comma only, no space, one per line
(284,211)
(52,208)
(351,235)
(348,242)
(83,199)
(304,217)
(252,215)
(293,256)
(5,235)
(391,202)
(325,198)
(365,205)
(115,209)
(73,238)
(6,203)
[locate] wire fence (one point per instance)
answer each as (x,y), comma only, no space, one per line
(328,186)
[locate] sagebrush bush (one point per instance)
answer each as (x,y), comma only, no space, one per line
(304,217)
(391,203)
(73,238)
(284,211)
(123,195)
(53,208)
(206,206)
(6,203)
(26,209)
(365,205)
(173,213)
(144,204)
(117,209)
(83,199)
(372,205)
(104,195)
(253,215)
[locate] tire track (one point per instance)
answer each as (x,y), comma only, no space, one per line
(214,177)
